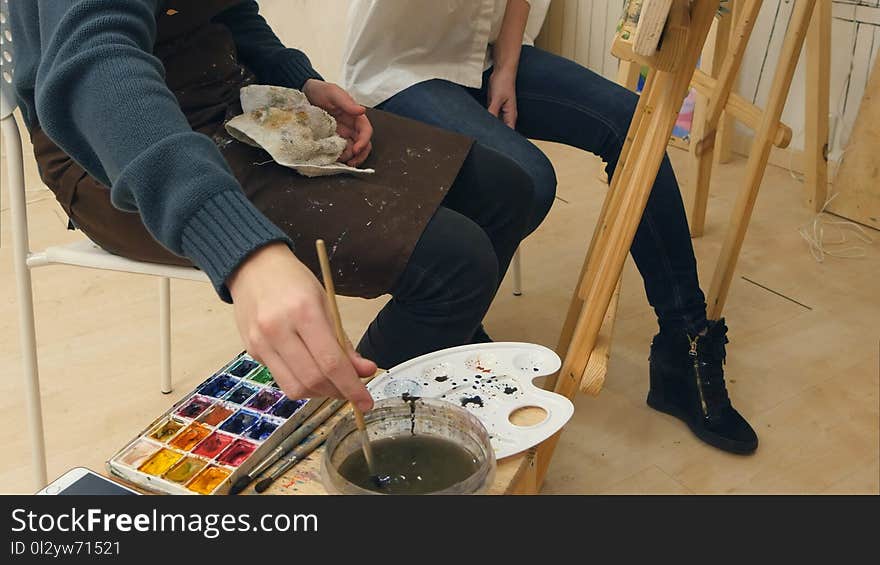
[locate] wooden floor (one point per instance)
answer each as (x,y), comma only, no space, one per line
(802,363)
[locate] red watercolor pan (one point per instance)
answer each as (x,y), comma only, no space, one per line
(237,453)
(212,445)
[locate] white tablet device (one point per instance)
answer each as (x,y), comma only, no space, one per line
(80,480)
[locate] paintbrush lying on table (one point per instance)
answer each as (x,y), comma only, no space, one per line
(300,452)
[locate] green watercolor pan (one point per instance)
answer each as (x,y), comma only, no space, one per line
(214,434)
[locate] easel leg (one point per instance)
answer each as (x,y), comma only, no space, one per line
(527,483)
(697,195)
(760,153)
(609,206)
(597,365)
(723,62)
(724,142)
(817,106)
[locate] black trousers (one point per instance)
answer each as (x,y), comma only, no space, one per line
(454,272)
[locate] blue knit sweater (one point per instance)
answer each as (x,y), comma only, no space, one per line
(85,72)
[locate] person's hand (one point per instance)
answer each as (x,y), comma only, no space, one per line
(282,316)
(351,120)
(502,96)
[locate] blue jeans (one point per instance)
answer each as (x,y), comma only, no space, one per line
(561,101)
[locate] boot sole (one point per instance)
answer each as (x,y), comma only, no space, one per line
(712,439)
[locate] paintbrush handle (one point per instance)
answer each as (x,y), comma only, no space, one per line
(294,438)
(330,289)
(317,437)
(325,413)
(300,452)
(327,409)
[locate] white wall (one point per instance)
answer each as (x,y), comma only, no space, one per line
(314,26)
(855,39)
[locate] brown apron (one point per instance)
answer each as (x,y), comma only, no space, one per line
(370,224)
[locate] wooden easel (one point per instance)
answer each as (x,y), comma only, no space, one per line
(637,169)
(716,93)
(766,135)
(713,86)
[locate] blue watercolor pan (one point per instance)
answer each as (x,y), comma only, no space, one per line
(239,422)
(243,368)
(285,408)
(218,386)
(262,429)
(241,393)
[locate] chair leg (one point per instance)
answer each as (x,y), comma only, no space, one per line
(165,334)
(31,373)
(517,273)
(27,333)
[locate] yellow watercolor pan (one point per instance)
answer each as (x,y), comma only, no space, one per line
(184,470)
(160,462)
(166,430)
(208,480)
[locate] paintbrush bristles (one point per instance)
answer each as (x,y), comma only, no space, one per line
(263,485)
(240,485)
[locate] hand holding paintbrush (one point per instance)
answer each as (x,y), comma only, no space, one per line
(282,314)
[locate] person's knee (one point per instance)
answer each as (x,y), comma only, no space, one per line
(473,264)
(524,185)
(520,188)
(544,188)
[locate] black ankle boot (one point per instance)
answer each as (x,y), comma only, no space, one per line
(687,381)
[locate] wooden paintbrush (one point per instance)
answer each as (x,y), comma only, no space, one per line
(327,275)
(312,441)
(327,409)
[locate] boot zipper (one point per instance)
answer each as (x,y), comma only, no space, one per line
(693,354)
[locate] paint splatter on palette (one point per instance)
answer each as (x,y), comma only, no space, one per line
(216,433)
(492,381)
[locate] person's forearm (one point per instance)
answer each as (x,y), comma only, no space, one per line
(507,47)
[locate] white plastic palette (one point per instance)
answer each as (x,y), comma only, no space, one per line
(491,381)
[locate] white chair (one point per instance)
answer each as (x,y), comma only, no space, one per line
(83,253)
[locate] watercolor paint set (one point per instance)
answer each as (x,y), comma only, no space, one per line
(214,435)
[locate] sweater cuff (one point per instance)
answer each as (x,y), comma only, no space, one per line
(294,69)
(223,233)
